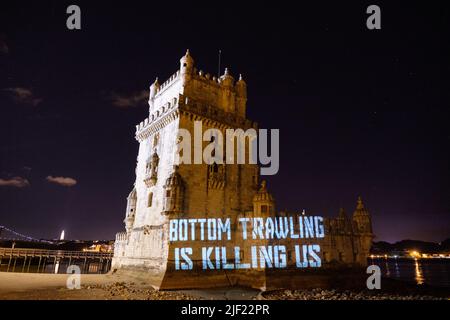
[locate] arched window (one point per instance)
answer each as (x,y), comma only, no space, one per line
(150,199)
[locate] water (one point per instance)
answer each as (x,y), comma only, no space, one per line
(434,272)
(92,267)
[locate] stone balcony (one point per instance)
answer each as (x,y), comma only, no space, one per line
(150,179)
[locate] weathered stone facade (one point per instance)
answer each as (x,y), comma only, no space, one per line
(165,191)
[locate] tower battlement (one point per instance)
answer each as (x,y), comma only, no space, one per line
(197,109)
(222,93)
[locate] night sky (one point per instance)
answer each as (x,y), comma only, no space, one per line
(360,112)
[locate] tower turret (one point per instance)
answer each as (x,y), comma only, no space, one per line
(151,170)
(362,229)
(173,193)
(186,67)
(362,218)
(227,79)
(227,92)
(131,210)
(241,96)
(263,202)
(241,88)
(154,87)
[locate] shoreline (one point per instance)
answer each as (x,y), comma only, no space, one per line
(28,286)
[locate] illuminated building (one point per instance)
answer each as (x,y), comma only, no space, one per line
(165,191)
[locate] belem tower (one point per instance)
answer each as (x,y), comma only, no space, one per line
(164,190)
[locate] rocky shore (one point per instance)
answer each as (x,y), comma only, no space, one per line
(319,294)
(23,286)
(130,291)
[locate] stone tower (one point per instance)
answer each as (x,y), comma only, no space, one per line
(164,189)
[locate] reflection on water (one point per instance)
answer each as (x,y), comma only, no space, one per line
(388,272)
(419,276)
(397,269)
(421,271)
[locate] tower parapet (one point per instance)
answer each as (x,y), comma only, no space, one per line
(222,93)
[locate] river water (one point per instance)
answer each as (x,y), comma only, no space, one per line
(434,272)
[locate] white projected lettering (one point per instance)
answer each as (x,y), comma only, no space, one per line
(283,237)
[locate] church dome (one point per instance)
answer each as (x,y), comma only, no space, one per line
(263,194)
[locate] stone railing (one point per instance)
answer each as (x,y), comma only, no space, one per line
(121,236)
(156,115)
(214,113)
(201,109)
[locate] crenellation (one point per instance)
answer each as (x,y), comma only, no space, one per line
(206,111)
(168,83)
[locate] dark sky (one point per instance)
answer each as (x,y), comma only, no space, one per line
(360,112)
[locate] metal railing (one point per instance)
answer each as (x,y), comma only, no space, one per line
(19,252)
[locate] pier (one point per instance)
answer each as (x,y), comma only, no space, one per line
(41,261)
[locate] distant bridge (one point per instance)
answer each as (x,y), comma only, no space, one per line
(42,260)
(8,234)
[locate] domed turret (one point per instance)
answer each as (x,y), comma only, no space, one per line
(186,66)
(151,170)
(174,179)
(263,201)
(241,97)
(362,218)
(362,228)
(360,208)
(241,87)
(154,88)
(227,79)
(173,193)
(131,210)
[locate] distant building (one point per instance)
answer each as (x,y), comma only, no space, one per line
(99,247)
(163,191)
